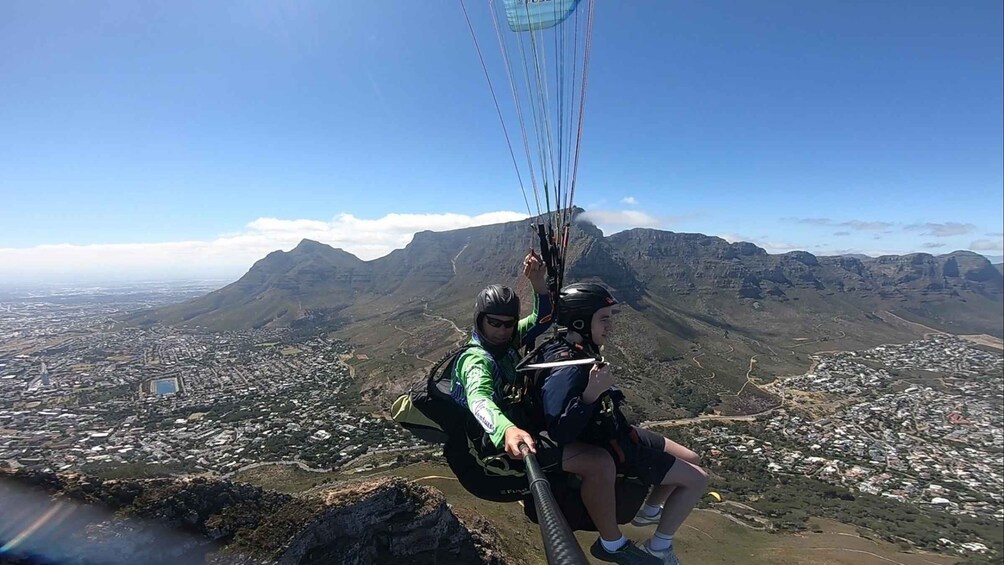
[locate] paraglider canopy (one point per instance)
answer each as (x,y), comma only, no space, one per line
(715,496)
(526,15)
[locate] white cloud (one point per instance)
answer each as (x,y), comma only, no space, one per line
(946,229)
(229,255)
(811,221)
(629,200)
(866,226)
(772,247)
(858,225)
(987,245)
(611,221)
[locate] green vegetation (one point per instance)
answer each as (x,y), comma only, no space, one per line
(107,471)
(284,478)
(789,501)
(104,394)
(691,398)
(708,537)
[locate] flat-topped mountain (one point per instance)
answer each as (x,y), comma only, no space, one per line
(696,308)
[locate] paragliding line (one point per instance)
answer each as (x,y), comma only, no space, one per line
(504,48)
(582,97)
(497,109)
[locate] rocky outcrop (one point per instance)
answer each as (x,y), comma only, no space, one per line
(80,519)
(385,521)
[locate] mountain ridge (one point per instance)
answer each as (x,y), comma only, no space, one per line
(682,294)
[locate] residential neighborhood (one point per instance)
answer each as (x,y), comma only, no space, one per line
(187,400)
(917,422)
(937,444)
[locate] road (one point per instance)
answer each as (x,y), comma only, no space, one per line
(706,418)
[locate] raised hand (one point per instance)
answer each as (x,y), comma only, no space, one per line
(535,270)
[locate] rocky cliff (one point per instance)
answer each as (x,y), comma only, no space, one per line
(71,518)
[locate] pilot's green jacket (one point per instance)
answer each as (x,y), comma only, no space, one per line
(485,384)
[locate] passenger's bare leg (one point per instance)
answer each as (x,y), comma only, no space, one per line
(662,492)
(690,482)
(659,495)
(596,467)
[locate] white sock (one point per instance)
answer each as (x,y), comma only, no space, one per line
(612,546)
(651,511)
(660,541)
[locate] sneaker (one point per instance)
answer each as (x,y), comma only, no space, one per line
(628,554)
(642,519)
(668,556)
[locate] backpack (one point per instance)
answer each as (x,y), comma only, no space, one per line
(427,410)
(430,413)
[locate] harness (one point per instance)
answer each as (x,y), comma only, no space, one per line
(431,412)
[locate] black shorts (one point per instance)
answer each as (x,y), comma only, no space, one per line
(549,453)
(645,457)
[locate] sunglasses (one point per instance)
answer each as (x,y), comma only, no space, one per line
(496,323)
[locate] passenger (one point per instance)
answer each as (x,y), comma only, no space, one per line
(582,413)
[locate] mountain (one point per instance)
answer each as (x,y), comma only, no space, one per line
(698,312)
(280,289)
(82,519)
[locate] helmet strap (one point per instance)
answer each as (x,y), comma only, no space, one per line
(583,342)
(582,331)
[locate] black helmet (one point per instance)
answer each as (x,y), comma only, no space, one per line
(578,302)
(496,299)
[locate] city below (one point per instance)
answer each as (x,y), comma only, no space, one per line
(919,422)
(938,444)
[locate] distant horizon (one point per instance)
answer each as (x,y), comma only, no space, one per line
(231,273)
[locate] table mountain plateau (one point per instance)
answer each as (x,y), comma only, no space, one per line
(700,318)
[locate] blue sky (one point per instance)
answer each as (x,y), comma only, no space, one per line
(192,138)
